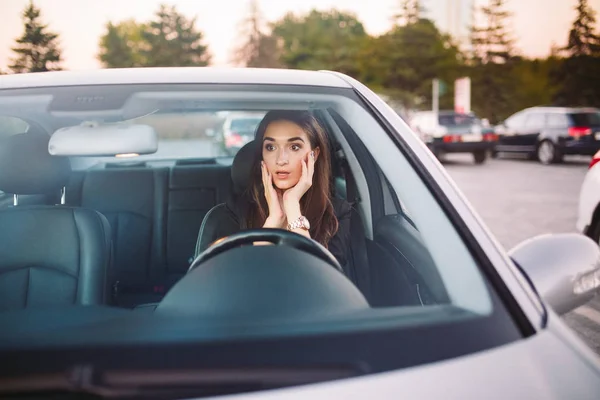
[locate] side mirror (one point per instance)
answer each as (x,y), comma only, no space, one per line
(564,268)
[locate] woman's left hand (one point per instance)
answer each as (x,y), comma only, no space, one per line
(292,196)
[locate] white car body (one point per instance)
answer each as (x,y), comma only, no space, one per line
(589,199)
(552,363)
(524,371)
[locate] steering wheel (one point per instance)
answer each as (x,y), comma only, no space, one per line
(278,237)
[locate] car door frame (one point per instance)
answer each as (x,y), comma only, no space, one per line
(524,303)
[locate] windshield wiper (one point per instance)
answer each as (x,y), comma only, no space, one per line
(158,384)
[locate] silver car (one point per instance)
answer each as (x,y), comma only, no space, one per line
(452,132)
(103,290)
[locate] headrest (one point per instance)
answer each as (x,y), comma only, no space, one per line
(241,169)
(26,167)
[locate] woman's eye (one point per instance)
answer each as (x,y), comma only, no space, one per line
(269,147)
(296,147)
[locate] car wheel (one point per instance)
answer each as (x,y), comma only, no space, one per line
(547,153)
(479,157)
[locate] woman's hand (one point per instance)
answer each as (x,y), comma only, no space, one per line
(276,218)
(292,196)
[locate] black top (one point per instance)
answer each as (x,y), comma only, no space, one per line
(339,245)
(224,220)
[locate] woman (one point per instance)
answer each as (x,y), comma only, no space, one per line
(291,182)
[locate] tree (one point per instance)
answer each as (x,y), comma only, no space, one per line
(122,45)
(320,40)
(582,38)
(37,49)
(492,60)
(492,41)
(533,85)
(577,75)
(258,49)
(410,12)
(403,62)
(172,40)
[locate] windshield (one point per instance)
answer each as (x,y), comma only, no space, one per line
(117,245)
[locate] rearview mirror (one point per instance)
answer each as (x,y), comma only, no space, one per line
(103,140)
(564,268)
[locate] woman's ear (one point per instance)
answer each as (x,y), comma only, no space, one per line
(317,151)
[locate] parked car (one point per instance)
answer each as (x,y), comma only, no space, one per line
(235,130)
(98,298)
(452,132)
(549,133)
(588,217)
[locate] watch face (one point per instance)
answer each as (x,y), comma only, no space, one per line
(305,223)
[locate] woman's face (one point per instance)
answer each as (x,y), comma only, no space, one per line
(284,147)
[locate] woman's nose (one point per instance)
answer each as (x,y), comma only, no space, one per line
(282,158)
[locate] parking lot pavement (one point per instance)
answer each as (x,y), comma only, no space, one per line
(519,199)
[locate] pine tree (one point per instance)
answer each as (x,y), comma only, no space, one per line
(582,38)
(37,48)
(577,75)
(492,41)
(492,61)
(258,50)
(410,12)
(172,40)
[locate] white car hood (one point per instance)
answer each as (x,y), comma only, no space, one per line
(548,365)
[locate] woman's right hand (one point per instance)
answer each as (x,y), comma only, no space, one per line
(276,218)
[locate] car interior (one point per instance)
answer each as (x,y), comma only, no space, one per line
(121,256)
(135,227)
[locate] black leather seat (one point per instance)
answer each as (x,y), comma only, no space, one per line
(134,203)
(49,255)
(223,219)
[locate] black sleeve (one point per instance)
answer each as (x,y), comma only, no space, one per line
(339,245)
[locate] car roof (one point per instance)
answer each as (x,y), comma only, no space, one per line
(562,110)
(444,112)
(174,75)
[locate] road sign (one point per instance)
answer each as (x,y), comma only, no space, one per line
(462,95)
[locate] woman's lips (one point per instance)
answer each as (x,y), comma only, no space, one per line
(282,175)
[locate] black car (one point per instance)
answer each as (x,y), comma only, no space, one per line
(548,133)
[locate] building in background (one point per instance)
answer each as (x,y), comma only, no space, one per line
(451,16)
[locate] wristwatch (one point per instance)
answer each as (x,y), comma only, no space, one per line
(300,223)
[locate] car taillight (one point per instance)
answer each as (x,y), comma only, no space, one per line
(578,131)
(595,160)
(234,139)
(452,138)
(490,137)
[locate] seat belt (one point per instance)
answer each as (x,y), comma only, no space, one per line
(359,268)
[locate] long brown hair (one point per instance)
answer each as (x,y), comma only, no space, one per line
(316,203)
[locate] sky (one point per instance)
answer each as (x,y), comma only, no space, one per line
(537,24)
